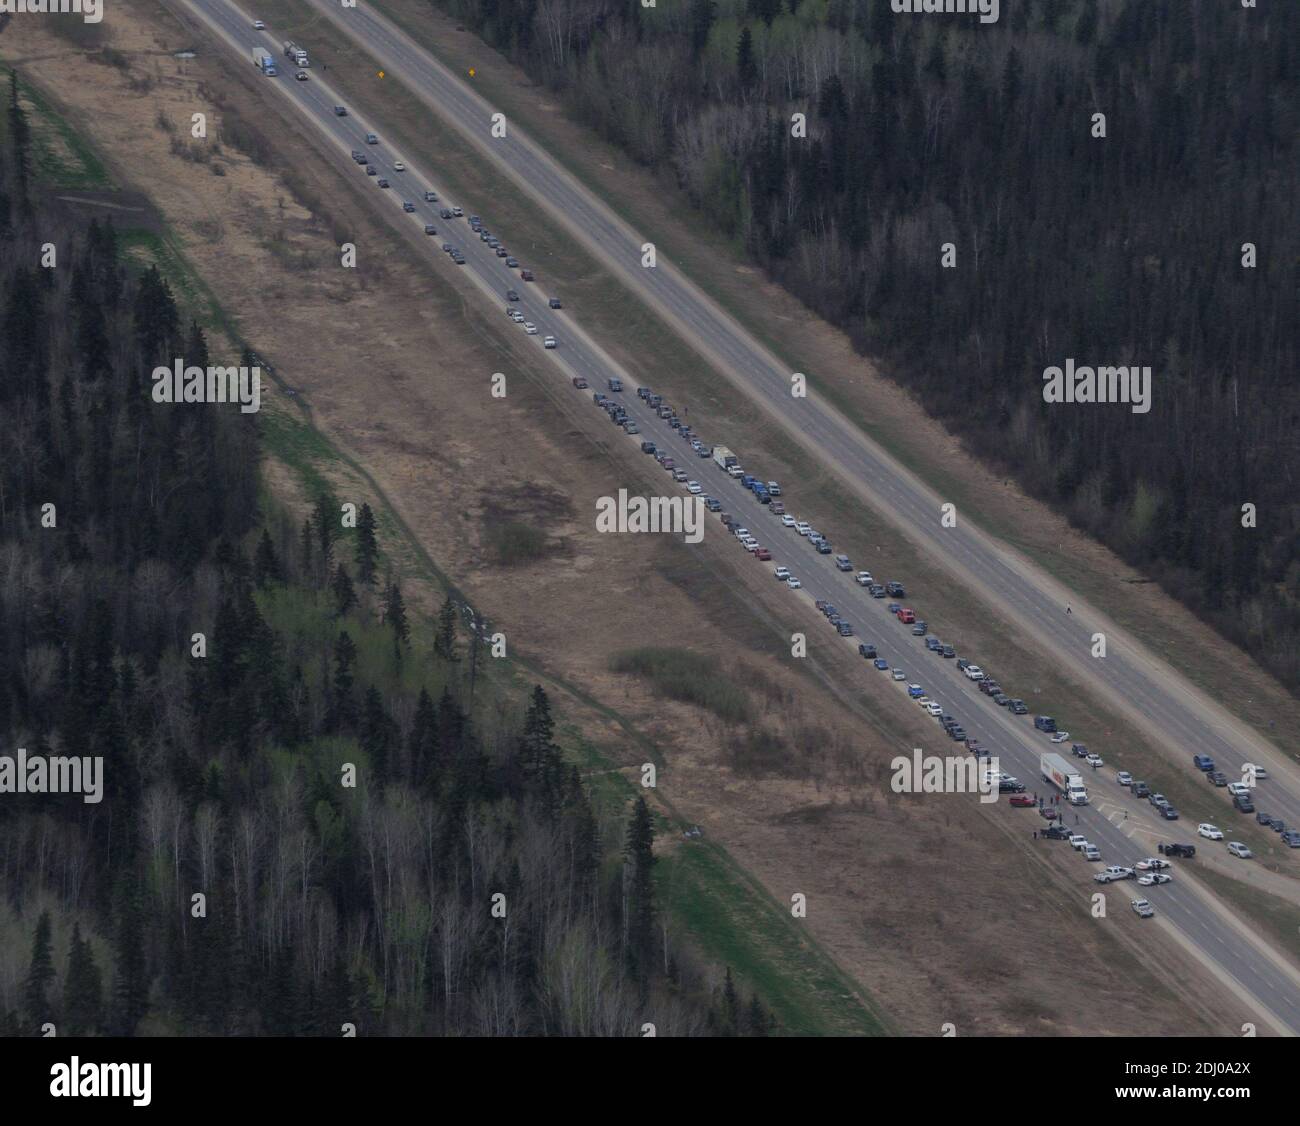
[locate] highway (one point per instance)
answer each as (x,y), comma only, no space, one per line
(1266,984)
(1172,712)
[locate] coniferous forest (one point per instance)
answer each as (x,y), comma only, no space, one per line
(924,130)
(234,665)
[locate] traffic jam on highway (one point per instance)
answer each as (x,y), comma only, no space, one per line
(1066,779)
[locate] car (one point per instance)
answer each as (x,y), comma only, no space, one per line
(973,672)
(258,25)
(898,674)
(430,196)
(934,709)
(340,111)
(512,295)
(1045,723)
(863,578)
(876,590)
(894,608)
(1203,762)
(527,275)
(303,76)
(766,556)
(1060,736)
(1218,778)
(1056,833)
(881,664)
(782,573)
(1235,788)
(1143,908)
(383,183)
(516,316)
(408,206)
(1001,699)
(1047,813)
(1018,707)
(1153,878)
(712,504)
(1091,852)
(842,563)
(530,328)
(802,528)
(915,691)
(1078,840)
(795,583)
(1168,812)
(1151,864)
(1021,801)
(1291,838)
(787,521)
(1239,850)
(896,589)
(694,488)
(1184,850)
(1079,750)
(1254,768)
(549,342)
(948,652)
(371,170)
(430,229)
(456,211)
(1094,761)
(1243,803)
(1114,872)
(1140,789)
(1209,832)
(1158,800)
(1124,778)
(679,475)
(511,261)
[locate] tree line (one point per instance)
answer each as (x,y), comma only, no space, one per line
(313,817)
(1167,242)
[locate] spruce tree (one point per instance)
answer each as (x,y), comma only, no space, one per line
(444,643)
(83,990)
(131,981)
(40,974)
(266,564)
(395,615)
(639,912)
(746,67)
(367,547)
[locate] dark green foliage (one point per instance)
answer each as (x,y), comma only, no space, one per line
(40,975)
(367,547)
(83,990)
(444,643)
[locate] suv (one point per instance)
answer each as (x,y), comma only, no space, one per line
(1184,850)
(1203,762)
(842,563)
(1045,723)
(1141,789)
(1018,707)
(1216,777)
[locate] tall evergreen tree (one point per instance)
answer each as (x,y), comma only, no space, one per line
(444,642)
(639,908)
(367,547)
(83,994)
(40,975)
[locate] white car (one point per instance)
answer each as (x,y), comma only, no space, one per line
(782,573)
(1060,737)
(973,672)
(1143,908)
(922,701)
(1153,878)
(693,487)
(1113,872)
(530,328)
(1239,850)
(303,76)
(1091,852)
(1237,789)
(787,521)
(933,708)
(793,582)
(802,528)
(398,166)
(516,316)
(549,342)
(258,25)
(1259,771)
(1151,864)
(863,578)
(1094,761)
(1077,840)
(899,674)
(740,533)
(1209,832)
(1124,778)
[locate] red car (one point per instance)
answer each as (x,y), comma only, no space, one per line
(906,616)
(579,383)
(763,554)
(1048,812)
(1022,800)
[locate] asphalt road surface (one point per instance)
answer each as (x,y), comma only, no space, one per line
(1266,986)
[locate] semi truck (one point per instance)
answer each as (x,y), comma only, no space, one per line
(724,457)
(264,61)
(1064,777)
(297,54)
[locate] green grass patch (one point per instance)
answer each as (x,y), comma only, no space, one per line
(690,678)
(736,924)
(61,157)
(514,543)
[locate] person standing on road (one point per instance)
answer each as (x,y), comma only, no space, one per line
(1035,834)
